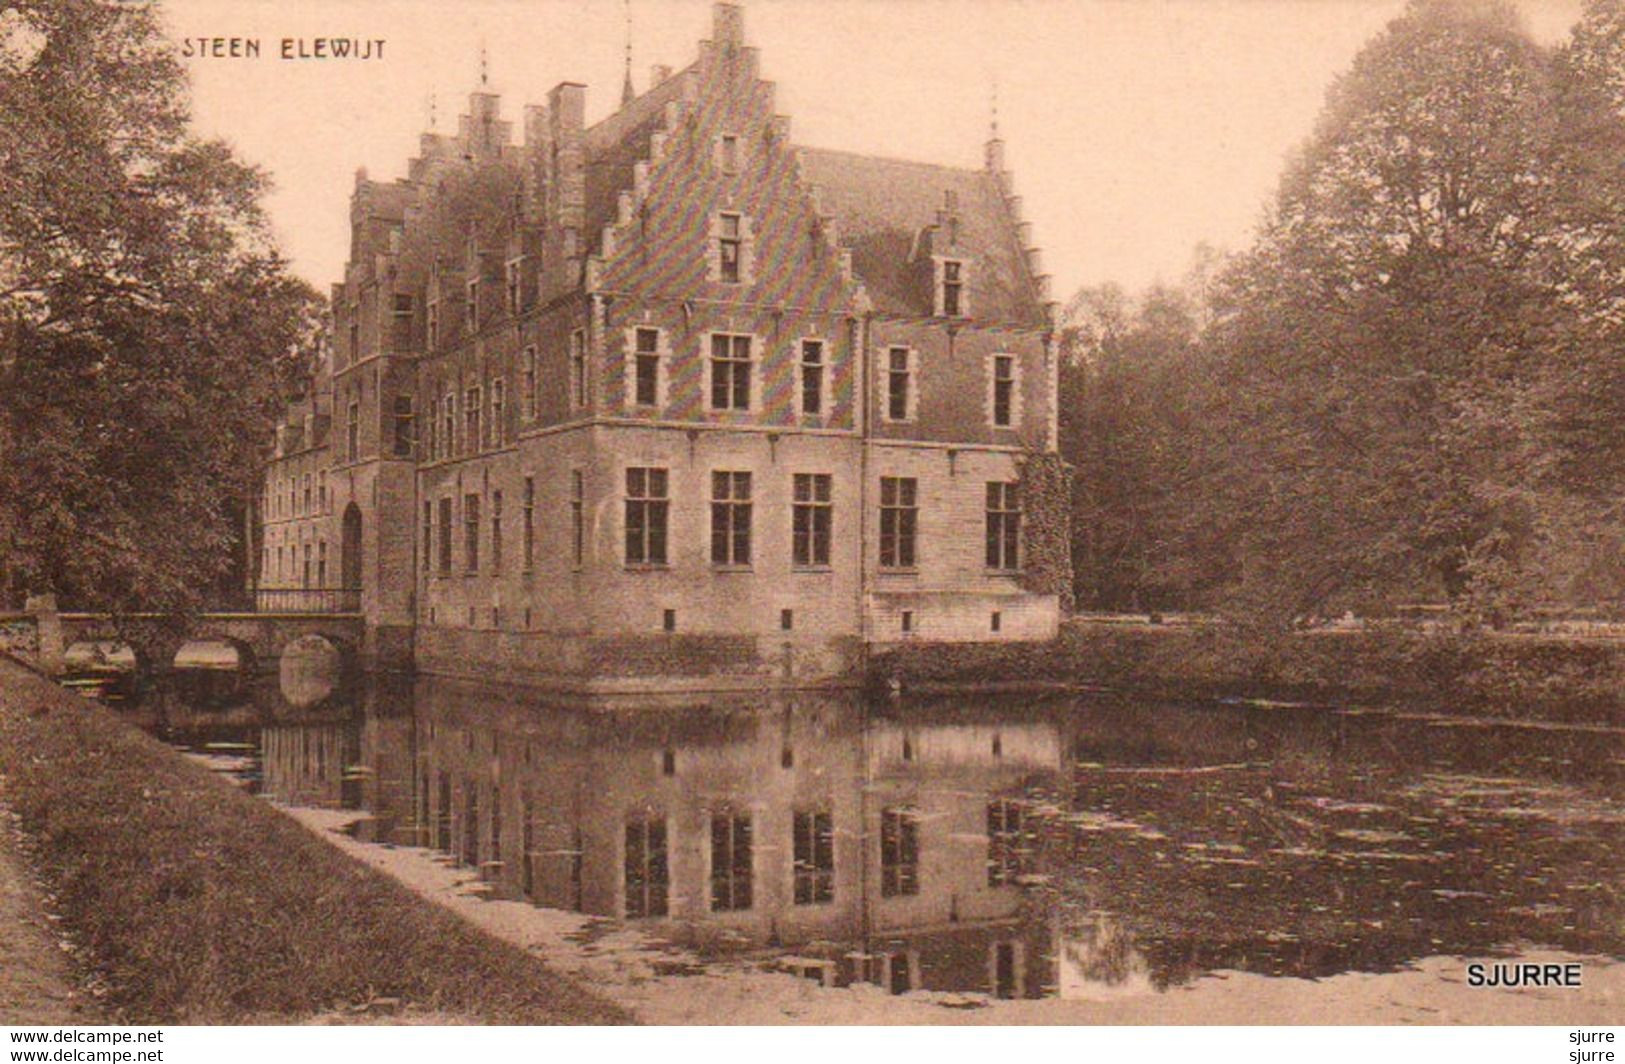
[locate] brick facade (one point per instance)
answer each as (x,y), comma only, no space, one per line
(543,350)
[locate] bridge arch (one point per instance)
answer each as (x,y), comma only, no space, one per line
(108,666)
(103,655)
(211,668)
(313,667)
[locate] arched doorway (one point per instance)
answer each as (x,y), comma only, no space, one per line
(350,552)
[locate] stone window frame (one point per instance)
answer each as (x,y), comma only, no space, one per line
(812,856)
(904,511)
(428,536)
(403,422)
(719,152)
(662,356)
(989,397)
(900,851)
(738,881)
(496,531)
(939,286)
(653,885)
(733,517)
(445,541)
(431,308)
(497,397)
(527,509)
(754,399)
(513,285)
(746,241)
(448,416)
(473,441)
(578,519)
(1002,528)
(529,358)
(648,500)
(823,365)
(1007,826)
(911,401)
(579,361)
(471,532)
(811,505)
(352,432)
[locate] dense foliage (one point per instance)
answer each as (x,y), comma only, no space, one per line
(147,320)
(1409,388)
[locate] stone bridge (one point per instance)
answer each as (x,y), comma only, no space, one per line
(46,638)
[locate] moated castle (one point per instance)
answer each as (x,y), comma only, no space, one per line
(671,401)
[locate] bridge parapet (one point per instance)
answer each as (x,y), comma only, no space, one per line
(155,638)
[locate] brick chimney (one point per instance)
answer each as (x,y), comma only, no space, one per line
(566,114)
(727,25)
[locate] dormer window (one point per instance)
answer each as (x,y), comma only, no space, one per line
(950,288)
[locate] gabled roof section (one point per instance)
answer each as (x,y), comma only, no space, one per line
(881,207)
(617,143)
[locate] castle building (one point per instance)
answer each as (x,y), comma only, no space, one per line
(670,400)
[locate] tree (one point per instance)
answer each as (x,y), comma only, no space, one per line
(1375,345)
(1576,404)
(1130,387)
(147,317)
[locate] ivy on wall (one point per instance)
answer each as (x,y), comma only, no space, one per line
(1046,525)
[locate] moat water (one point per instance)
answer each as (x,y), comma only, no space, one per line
(1080,847)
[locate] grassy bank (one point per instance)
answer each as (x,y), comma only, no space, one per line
(1533,677)
(196,903)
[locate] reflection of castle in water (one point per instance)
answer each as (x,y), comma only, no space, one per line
(901,845)
(896,851)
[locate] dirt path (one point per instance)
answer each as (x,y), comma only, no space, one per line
(36,986)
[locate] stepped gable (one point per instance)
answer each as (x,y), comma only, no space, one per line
(882,206)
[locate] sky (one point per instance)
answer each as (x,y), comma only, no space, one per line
(1134,129)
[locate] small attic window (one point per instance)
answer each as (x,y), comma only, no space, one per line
(730,247)
(951,288)
(728,153)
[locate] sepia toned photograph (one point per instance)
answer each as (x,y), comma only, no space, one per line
(774,512)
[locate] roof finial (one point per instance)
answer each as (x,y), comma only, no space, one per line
(432,112)
(993,157)
(628,94)
(485,74)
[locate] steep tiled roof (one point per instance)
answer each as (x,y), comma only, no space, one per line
(618,142)
(882,205)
